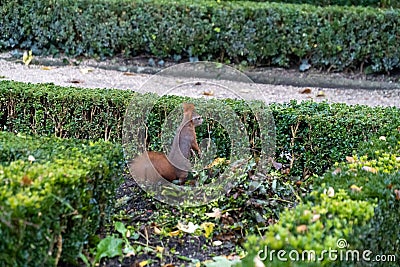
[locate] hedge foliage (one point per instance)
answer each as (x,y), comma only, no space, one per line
(372,3)
(54,193)
(374,176)
(310,137)
(62,111)
(358,200)
(333,37)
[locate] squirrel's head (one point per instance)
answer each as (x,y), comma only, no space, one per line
(196,119)
(188,109)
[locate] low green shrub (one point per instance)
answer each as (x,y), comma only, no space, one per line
(373,174)
(54,193)
(309,229)
(333,37)
(310,137)
(358,201)
(316,135)
(63,111)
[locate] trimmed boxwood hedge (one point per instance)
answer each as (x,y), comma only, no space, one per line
(358,200)
(333,37)
(54,193)
(310,136)
(373,3)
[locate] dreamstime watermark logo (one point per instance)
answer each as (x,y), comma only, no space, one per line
(340,253)
(203,82)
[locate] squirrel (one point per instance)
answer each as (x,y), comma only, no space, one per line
(151,165)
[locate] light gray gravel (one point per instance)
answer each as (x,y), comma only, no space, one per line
(87,76)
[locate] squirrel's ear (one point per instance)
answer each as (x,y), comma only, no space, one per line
(187,107)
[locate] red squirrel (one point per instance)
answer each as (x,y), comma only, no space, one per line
(151,165)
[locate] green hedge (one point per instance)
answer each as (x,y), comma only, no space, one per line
(62,111)
(54,193)
(313,135)
(333,37)
(383,156)
(372,3)
(356,201)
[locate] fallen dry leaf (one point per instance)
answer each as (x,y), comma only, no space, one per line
(143,263)
(189,228)
(315,217)
(86,70)
(285,171)
(217,243)
(306,212)
(27,57)
(305,91)
(208,93)
(369,169)
(321,94)
(46,68)
(129,74)
(26,180)
(130,254)
(350,159)
(336,171)
(301,228)
(331,192)
(217,162)
(355,188)
(208,228)
(75,81)
(397,193)
(215,214)
(157,230)
(31,158)
(174,233)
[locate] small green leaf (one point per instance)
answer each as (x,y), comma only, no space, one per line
(84,259)
(109,247)
(120,227)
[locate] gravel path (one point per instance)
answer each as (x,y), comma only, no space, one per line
(87,76)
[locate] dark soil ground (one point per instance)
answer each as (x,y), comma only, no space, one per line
(181,250)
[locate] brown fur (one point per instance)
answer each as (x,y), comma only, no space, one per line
(151,166)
